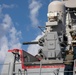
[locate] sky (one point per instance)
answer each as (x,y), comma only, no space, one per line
(19,21)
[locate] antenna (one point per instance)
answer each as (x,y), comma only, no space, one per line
(41,28)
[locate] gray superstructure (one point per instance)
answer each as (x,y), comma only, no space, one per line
(60,33)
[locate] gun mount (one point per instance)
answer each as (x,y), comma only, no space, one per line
(57,35)
(54,31)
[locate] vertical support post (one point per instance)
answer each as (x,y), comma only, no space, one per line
(40,67)
(74,67)
(14,65)
(9,69)
(26,72)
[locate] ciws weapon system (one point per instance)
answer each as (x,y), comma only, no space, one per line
(59,36)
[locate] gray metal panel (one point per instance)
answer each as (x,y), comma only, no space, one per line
(51,54)
(55,23)
(58,53)
(51,45)
(50,36)
(29,57)
(8,69)
(45,71)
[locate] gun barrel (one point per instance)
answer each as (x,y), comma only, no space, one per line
(26,43)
